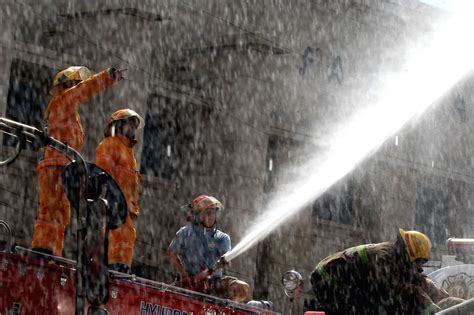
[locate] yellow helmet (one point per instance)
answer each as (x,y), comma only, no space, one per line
(124,114)
(74,73)
(418,245)
(204,202)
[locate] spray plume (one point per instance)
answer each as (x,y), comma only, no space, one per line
(432,68)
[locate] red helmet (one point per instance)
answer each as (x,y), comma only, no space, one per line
(204,202)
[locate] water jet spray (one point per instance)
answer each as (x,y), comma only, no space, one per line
(404,95)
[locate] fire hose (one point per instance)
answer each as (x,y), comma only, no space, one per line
(201,282)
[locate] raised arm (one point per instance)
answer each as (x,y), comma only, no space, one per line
(85,90)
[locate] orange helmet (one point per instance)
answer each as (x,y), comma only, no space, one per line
(124,114)
(418,245)
(74,73)
(204,202)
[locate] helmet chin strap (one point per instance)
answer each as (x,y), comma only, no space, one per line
(209,227)
(117,128)
(201,223)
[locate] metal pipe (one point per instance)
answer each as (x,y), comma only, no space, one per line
(463,308)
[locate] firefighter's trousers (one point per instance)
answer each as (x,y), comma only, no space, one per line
(121,243)
(54,210)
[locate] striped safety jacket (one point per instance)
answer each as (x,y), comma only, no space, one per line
(374,276)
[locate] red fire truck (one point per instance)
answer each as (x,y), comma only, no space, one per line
(36,283)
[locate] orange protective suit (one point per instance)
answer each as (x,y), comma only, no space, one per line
(64,124)
(115,156)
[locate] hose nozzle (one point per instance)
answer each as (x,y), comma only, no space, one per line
(222,262)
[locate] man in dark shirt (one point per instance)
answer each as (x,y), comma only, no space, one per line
(375,278)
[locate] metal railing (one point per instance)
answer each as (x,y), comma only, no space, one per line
(40,138)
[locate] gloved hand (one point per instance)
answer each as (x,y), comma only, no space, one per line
(117,74)
(133,210)
(222,263)
(434,292)
(431,309)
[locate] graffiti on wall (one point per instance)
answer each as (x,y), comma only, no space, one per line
(309,56)
(460,107)
(314,55)
(335,71)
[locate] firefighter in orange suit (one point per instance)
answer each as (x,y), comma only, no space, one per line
(71,88)
(115,156)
